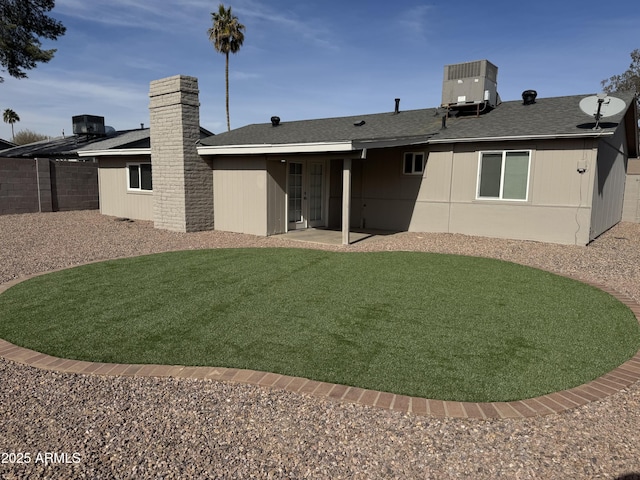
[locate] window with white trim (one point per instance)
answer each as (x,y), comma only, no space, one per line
(504,175)
(139,177)
(414,163)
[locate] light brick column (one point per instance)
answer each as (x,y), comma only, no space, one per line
(182,180)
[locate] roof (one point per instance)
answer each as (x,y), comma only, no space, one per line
(546,118)
(70,146)
(6,144)
(123,142)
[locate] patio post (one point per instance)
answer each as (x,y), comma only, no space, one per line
(346,199)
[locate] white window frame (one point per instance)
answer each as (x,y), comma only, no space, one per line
(137,165)
(413,163)
(502,172)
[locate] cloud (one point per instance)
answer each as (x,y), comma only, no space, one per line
(139,14)
(311,29)
(414,22)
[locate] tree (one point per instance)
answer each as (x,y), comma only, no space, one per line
(227,36)
(24,137)
(22,24)
(628,81)
(10,117)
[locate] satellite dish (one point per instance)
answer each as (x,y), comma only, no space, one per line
(600,106)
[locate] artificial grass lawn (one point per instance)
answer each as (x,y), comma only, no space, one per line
(439,326)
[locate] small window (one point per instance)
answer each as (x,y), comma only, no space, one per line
(413,163)
(504,175)
(139,176)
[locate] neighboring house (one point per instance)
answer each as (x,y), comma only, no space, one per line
(114,176)
(49,175)
(532,169)
(4,144)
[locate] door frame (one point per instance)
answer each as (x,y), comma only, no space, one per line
(304,221)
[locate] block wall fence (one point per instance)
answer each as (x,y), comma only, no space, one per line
(30,185)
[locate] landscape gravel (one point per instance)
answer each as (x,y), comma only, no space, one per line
(104,427)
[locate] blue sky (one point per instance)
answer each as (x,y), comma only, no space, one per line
(313,59)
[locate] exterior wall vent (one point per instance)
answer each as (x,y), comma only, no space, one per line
(88,125)
(470,84)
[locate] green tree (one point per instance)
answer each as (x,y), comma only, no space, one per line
(22,24)
(628,81)
(10,117)
(227,36)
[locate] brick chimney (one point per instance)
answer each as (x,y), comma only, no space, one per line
(182,180)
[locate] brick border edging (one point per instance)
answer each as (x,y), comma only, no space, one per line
(618,379)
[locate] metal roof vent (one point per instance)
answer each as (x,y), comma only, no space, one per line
(275,121)
(397,109)
(529,97)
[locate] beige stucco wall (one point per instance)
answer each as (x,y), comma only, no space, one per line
(631,208)
(249,193)
(276,196)
(609,183)
(559,198)
(240,194)
(115,199)
(443,199)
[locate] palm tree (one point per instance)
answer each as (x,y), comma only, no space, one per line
(10,117)
(227,35)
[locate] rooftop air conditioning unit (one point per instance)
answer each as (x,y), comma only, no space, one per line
(469,84)
(88,125)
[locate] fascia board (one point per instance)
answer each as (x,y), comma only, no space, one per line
(276,148)
(520,137)
(114,152)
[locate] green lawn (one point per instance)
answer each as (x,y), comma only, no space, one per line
(439,326)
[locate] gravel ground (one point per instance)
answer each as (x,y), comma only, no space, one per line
(84,426)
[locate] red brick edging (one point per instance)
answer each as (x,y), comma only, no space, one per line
(621,377)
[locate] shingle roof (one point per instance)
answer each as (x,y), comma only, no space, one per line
(557,116)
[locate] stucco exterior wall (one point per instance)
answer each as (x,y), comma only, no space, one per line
(609,183)
(443,199)
(240,194)
(631,204)
(115,199)
(276,197)
(558,205)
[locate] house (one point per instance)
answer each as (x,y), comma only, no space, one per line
(64,161)
(532,169)
(51,175)
(4,144)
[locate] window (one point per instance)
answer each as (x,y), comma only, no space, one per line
(413,163)
(139,176)
(504,175)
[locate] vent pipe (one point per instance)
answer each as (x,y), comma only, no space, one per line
(397,109)
(275,121)
(529,97)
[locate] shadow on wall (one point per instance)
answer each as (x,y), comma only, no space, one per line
(382,197)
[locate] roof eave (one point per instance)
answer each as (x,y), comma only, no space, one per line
(253,149)
(593,134)
(114,152)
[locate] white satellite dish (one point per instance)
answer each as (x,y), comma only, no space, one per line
(600,106)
